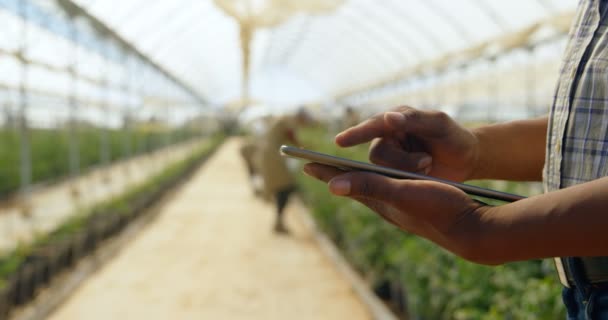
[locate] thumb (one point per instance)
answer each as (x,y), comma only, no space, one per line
(426,123)
(366,185)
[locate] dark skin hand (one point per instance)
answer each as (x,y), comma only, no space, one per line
(411,205)
(412,140)
(431,142)
(568,222)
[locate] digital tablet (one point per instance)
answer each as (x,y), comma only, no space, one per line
(352,165)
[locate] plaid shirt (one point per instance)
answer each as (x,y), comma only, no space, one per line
(577,144)
(577,141)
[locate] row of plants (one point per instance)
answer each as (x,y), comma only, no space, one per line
(418,278)
(50,150)
(31,267)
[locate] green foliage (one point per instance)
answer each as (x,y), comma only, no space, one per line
(50,151)
(439,285)
(10,262)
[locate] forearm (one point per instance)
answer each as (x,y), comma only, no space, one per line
(568,222)
(511,151)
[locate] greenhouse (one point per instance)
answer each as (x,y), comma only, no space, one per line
(141,177)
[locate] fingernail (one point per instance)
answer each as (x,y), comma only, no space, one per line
(338,136)
(424,162)
(306,170)
(340,187)
(395,116)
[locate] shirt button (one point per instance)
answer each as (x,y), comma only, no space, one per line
(558,146)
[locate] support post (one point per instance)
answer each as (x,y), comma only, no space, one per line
(530,83)
(25,152)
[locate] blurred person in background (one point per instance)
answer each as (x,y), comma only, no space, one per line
(249,149)
(350,118)
(248,152)
(279,183)
(568,150)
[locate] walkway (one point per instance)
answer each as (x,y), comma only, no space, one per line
(210,255)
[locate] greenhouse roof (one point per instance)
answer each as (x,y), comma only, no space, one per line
(315,53)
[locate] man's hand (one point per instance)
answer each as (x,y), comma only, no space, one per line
(433,143)
(415,140)
(436,211)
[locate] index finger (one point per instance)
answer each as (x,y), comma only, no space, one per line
(366,131)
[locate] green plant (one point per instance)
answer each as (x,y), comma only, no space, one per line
(438,284)
(10,263)
(50,150)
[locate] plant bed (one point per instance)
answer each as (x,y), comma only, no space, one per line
(62,251)
(26,269)
(92,238)
(141,204)
(49,147)
(79,245)
(52,253)
(40,260)
(25,278)
(10,267)
(116,222)
(7,298)
(102,226)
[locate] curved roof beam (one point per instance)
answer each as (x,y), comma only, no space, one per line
(168,45)
(272,43)
(493,15)
(409,46)
(314,74)
(460,29)
(139,29)
(547,5)
(154,40)
(293,46)
(373,35)
(103,29)
(337,41)
(380,33)
(315,52)
(312,48)
(87,3)
(400,33)
(486,8)
(164,46)
(388,33)
(141,10)
(337,61)
(278,50)
(397,34)
(358,92)
(432,37)
(135,8)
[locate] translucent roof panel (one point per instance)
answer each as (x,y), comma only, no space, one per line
(312,57)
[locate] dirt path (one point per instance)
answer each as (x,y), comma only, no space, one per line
(210,255)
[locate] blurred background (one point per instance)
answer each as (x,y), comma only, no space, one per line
(106,107)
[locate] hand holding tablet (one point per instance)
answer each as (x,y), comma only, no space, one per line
(352,165)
